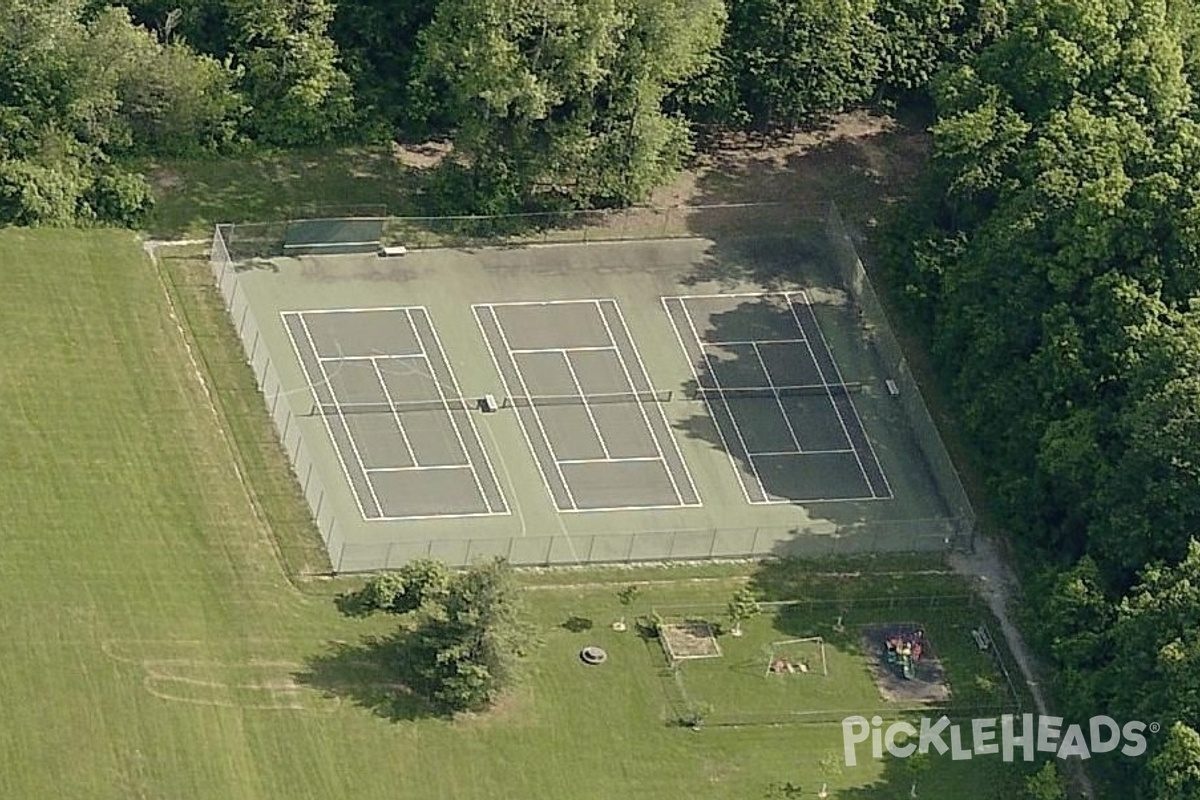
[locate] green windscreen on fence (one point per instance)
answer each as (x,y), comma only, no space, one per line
(333,236)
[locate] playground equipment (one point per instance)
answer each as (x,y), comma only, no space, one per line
(903,652)
(797,657)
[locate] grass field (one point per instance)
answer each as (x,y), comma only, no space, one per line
(736,689)
(156,642)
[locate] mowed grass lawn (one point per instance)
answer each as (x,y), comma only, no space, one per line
(151,645)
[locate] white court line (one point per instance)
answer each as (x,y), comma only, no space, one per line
(537,303)
(778,400)
(564,349)
(412,454)
(682,297)
(838,371)
(475,309)
(342,417)
(696,376)
(807,500)
(537,416)
(725,401)
(748,342)
(799,453)
(591,509)
(611,461)
(424,468)
(829,390)
(645,414)
(350,311)
(312,388)
(372,357)
(587,407)
(462,446)
(465,515)
(437,342)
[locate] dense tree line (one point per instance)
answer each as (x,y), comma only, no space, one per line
(1054,262)
(80,88)
(562,103)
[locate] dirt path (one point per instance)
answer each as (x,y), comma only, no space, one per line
(995,582)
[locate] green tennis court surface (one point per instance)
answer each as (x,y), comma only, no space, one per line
(641,409)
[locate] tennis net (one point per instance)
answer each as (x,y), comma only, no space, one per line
(771,392)
(540,401)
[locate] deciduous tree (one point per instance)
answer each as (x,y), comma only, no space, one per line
(564,97)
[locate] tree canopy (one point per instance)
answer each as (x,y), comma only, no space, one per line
(548,103)
(1052,261)
(464,647)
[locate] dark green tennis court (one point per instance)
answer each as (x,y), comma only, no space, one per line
(390,403)
(779,401)
(585,406)
(644,405)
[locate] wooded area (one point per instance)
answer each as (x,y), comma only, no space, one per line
(548,103)
(1051,260)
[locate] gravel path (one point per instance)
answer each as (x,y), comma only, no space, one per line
(995,582)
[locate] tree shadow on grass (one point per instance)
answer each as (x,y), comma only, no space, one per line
(354,604)
(938,776)
(374,674)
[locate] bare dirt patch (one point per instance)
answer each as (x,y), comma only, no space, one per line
(420,156)
(864,160)
(928,683)
(690,639)
(164,179)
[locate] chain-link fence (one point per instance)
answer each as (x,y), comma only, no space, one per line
(639,222)
(267,379)
(887,351)
(235,245)
(248,241)
(713,694)
(265,239)
(656,545)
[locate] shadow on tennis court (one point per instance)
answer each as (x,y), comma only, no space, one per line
(774,399)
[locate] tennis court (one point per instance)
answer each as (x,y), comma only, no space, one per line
(780,404)
(585,405)
(644,407)
(391,405)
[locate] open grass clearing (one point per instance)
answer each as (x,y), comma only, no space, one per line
(154,647)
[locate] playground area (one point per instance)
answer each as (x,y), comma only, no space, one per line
(904,664)
(798,663)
